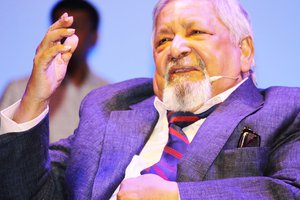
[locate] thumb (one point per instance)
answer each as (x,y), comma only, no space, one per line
(73,42)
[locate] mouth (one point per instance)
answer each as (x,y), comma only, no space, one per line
(178,70)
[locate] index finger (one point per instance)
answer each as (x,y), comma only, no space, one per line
(63,22)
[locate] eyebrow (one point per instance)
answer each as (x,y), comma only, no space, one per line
(164,30)
(188,25)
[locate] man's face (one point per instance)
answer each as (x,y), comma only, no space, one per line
(190,44)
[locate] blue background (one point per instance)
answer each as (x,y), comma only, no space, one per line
(124,48)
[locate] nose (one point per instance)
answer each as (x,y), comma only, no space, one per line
(179,47)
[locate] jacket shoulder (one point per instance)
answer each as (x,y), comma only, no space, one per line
(281,94)
(282,101)
(120,95)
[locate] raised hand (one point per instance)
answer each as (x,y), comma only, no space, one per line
(49,68)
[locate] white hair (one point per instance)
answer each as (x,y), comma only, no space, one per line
(230,12)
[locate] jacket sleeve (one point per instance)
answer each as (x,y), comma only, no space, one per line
(26,171)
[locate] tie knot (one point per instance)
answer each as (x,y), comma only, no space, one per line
(182,119)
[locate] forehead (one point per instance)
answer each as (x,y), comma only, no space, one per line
(183,11)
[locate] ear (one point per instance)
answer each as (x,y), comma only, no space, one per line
(247,53)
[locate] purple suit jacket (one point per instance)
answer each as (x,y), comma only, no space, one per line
(116,122)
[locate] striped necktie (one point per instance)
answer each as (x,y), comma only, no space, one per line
(177,144)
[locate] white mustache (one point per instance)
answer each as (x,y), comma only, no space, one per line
(187,61)
(197,63)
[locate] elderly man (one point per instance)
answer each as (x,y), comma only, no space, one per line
(225,139)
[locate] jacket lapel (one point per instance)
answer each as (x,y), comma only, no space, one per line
(215,131)
(126,134)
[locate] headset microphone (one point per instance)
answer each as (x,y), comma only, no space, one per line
(214,78)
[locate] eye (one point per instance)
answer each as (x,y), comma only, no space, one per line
(197,32)
(162,41)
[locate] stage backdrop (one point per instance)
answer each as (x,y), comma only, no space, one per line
(124,49)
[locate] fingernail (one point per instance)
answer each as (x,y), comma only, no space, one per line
(68,19)
(67,47)
(64,15)
(71,30)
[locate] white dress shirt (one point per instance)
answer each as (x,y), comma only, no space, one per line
(153,149)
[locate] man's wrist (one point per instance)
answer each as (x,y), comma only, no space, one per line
(8,125)
(29,109)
